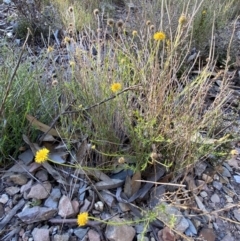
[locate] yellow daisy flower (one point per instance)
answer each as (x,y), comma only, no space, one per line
(159,36)
(116,87)
(42,155)
(82,219)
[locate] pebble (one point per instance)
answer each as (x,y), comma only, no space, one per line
(215,198)
(200,167)
(140,237)
(236,178)
(81,232)
(40,191)
(225,172)
(229,199)
(93,235)
(12,190)
(19,179)
(40,234)
(228,237)
(203,194)
(236,214)
(217,185)
(207,178)
(65,207)
(26,156)
(227,166)
(191,230)
(99,206)
(52,200)
(4,198)
(115,232)
(228,191)
(61,237)
(42,175)
(207,234)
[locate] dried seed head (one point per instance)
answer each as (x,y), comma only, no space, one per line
(121,160)
(70,31)
(70,25)
(54,82)
(110,22)
(119,23)
(70,9)
(134,33)
(96,12)
(148,23)
(67,40)
(152,27)
(182,20)
(154,156)
(99,30)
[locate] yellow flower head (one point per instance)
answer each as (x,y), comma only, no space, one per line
(159,36)
(204,12)
(82,219)
(182,20)
(42,155)
(116,87)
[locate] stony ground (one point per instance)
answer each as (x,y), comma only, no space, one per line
(41,202)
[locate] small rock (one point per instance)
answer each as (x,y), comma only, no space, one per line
(140,237)
(81,232)
(227,166)
(216,177)
(12,190)
(228,191)
(42,175)
(166,234)
(124,207)
(215,198)
(236,178)
(7,1)
(40,234)
(206,178)
(225,172)
(203,194)
(93,235)
(26,187)
(52,200)
(229,199)
(62,237)
(75,205)
(115,233)
(1,210)
(99,206)
(215,226)
(85,206)
(40,191)
(4,198)
(228,237)
(181,224)
(207,234)
(19,179)
(65,207)
(217,185)
(36,214)
(236,214)
(200,167)
(26,157)
(191,230)
(156,195)
(109,199)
